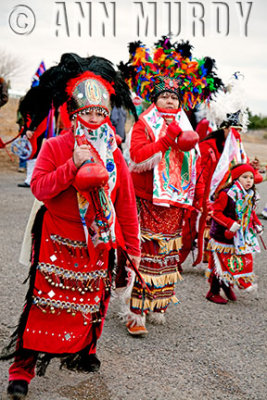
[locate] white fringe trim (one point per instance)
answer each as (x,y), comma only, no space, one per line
(145,165)
(158,260)
(156,318)
(135,319)
(124,295)
(217,264)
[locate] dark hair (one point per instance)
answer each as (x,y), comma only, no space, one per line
(154,97)
(219,137)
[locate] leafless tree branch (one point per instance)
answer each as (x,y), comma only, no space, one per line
(10,65)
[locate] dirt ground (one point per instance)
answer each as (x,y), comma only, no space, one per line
(204,351)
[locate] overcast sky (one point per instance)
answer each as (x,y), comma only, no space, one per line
(232,32)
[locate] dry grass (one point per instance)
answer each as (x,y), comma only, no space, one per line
(8,130)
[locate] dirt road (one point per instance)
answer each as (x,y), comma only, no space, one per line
(204,352)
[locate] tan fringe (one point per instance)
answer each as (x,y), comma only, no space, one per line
(152,304)
(220,247)
(231,279)
(170,245)
(162,280)
(175,300)
(166,246)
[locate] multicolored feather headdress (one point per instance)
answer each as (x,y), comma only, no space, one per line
(229,106)
(196,77)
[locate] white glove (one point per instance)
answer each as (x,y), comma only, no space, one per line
(235,227)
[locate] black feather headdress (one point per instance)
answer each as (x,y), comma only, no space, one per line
(53,82)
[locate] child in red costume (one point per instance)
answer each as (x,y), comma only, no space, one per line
(233,236)
(89,211)
(220,150)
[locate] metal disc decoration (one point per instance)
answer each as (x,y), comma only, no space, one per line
(22,148)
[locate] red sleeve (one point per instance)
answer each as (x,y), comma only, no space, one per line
(219,207)
(49,179)
(200,186)
(142,148)
(207,164)
(126,209)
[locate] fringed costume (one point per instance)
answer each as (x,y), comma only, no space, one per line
(231,248)
(160,244)
(220,150)
(165,171)
(85,217)
(164,180)
(218,155)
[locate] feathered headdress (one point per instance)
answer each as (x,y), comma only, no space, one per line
(229,106)
(52,89)
(196,77)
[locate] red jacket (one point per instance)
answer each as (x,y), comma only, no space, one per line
(143,149)
(209,158)
(224,212)
(69,292)
(52,181)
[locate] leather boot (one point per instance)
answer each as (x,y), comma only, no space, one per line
(17,389)
(214,292)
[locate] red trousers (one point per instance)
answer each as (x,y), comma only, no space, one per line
(189,234)
(23,367)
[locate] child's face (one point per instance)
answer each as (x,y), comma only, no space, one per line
(246,180)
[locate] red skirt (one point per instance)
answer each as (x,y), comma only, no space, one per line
(70,295)
(161,229)
(233,269)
